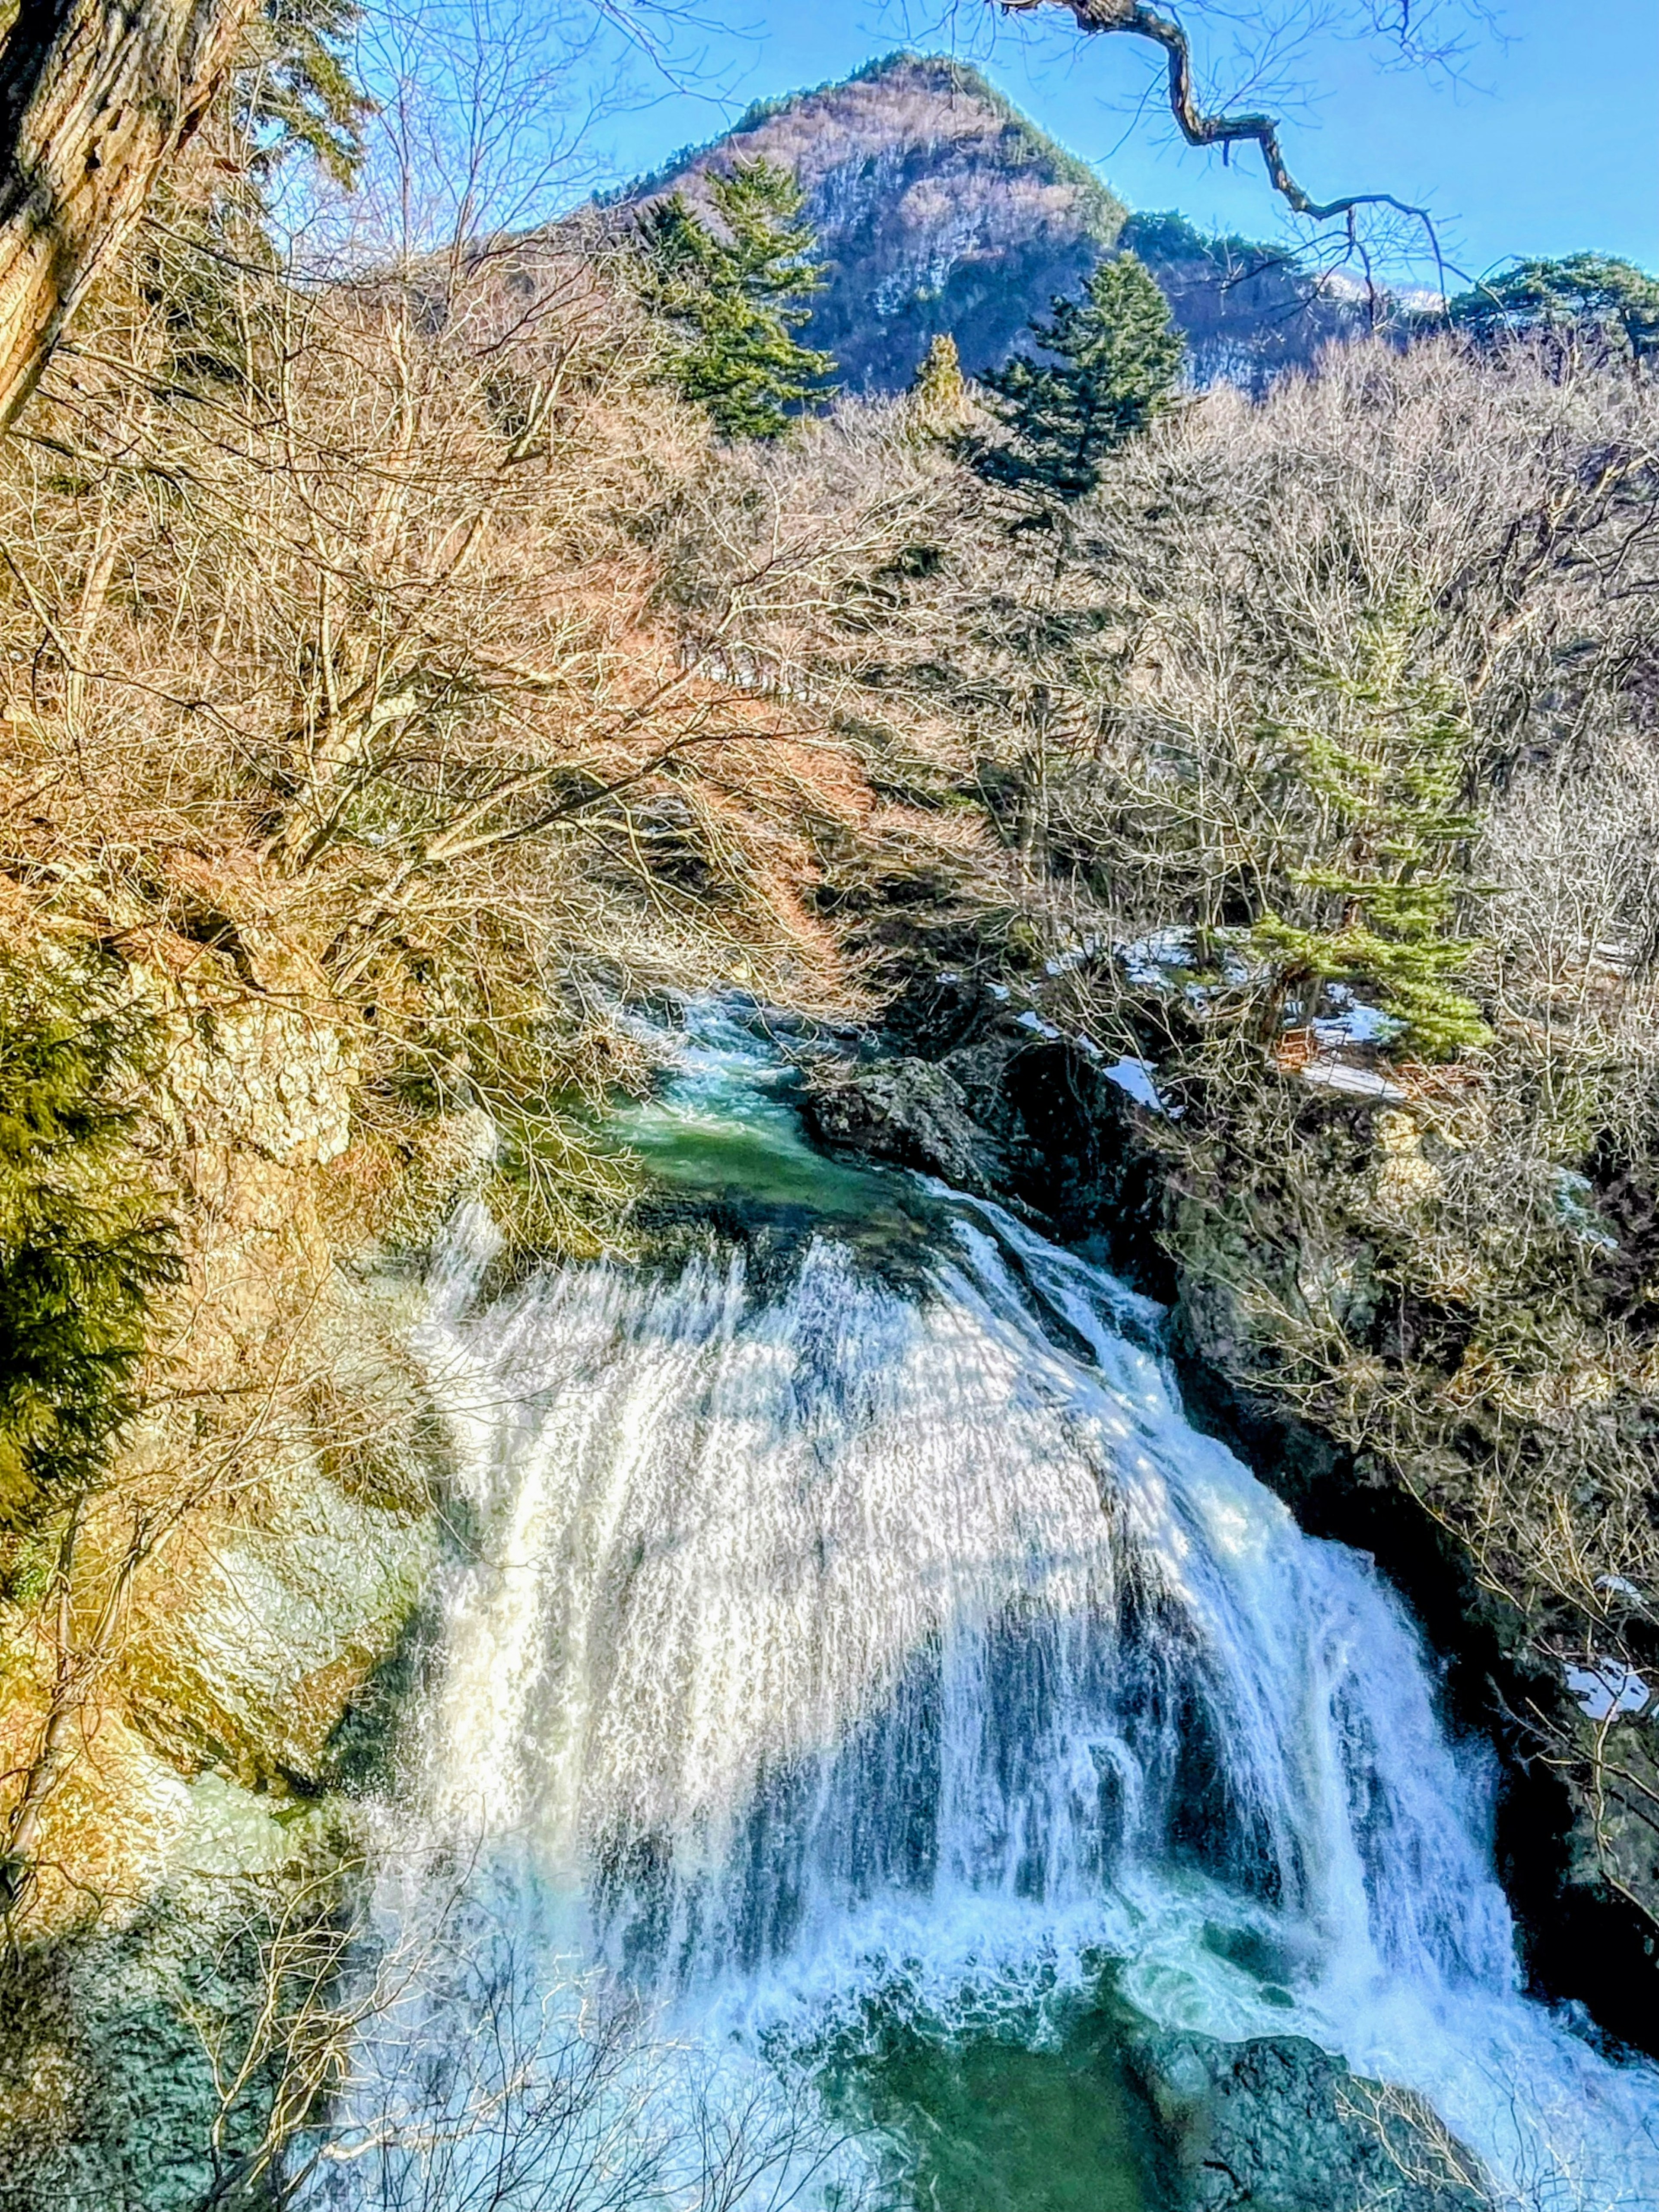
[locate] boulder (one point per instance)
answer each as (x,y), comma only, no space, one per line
(250,1661)
(911,1112)
(1277,2124)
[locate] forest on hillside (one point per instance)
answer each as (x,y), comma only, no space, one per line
(408,672)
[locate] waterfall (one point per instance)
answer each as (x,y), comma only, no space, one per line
(856,1608)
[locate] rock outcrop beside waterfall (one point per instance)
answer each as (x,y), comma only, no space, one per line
(913,1113)
(199,1830)
(246,1660)
(1277,2121)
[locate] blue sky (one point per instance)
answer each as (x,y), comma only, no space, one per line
(1525,153)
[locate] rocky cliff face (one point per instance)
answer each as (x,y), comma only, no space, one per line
(296,1466)
(940,208)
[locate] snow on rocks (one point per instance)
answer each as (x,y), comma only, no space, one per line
(1355,1022)
(1156,959)
(1135,1076)
(1606,1688)
(1352,1081)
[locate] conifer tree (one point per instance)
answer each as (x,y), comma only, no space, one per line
(1386,771)
(938,390)
(294,92)
(736,300)
(292,102)
(1586,296)
(84,1246)
(1114,357)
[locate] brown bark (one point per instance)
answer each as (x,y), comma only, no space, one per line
(1137,20)
(95,97)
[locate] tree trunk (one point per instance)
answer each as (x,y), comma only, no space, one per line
(95,97)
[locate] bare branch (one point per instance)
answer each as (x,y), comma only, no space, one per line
(1137,20)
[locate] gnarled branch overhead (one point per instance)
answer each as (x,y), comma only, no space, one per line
(1197,127)
(95,97)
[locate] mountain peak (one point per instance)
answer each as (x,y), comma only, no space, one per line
(940,209)
(937,206)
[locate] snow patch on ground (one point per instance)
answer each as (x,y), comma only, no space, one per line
(1575,1206)
(1356,1023)
(1063,962)
(1150,960)
(1606,1687)
(1354,1082)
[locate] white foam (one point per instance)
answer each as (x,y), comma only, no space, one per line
(826,1638)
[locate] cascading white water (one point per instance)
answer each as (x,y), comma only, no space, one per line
(846,1618)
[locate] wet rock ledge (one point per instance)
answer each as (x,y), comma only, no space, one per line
(1278,2125)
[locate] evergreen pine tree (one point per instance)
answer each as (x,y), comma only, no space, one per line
(1387,772)
(1587,296)
(84,1245)
(292,101)
(1116,357)
(736,300)
(938,392)
(294,92)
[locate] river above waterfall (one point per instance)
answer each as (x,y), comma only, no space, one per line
(860,1659)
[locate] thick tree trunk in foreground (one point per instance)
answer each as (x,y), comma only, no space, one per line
(95,97)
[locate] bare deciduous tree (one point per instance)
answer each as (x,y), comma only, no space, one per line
(1413,33)
(465,2063)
